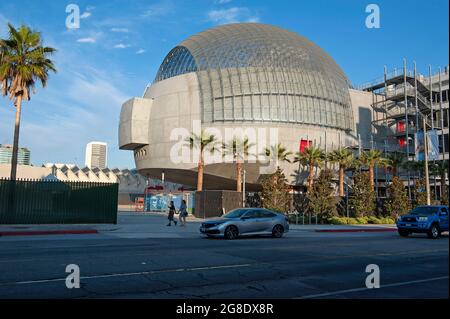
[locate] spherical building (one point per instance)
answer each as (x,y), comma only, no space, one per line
(243,76)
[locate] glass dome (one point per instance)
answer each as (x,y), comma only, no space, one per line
(258,72)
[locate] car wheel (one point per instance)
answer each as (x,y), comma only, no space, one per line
(434,232)
(231,232)
(403,233)
(277,231)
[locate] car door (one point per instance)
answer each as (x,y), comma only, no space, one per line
(249,222)
(443,218)
(267,220)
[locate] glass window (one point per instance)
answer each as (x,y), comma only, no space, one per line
(424,210)
(266,214)
(178,61)
(255,71)
(235,213)
(252,214)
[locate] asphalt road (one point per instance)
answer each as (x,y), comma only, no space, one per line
(304,264)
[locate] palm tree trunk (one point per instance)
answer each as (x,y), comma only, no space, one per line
(311,176)
(341,181)
(443,192)
(371,175)
(238,176)
(200,173)
(15,151)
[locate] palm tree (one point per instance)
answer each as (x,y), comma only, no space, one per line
(442,170)
(396,160)
(278,152)
(239,149)
(23,62)
(439,169)
(374,158)
(344,158)
(202,142)
(312,157)
(415,167)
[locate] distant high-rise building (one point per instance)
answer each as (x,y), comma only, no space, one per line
(96,155)
(23,156)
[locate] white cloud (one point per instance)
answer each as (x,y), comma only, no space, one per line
(123,30)
(140,51)
(87,40)
(88,109)
(232,15)
(223,1)
(121,46)
(95,92)
(85,15)
(159,10)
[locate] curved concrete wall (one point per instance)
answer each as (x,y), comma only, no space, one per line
(175,104)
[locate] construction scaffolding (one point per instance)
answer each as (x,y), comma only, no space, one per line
(401,99)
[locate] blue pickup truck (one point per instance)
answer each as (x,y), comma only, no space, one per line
(431,220)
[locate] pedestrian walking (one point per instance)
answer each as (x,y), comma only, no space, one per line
(171,215)
(183,213)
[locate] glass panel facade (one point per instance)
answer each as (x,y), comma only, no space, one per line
(254,72)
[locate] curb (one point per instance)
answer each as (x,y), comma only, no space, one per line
(48,232)
(359,230)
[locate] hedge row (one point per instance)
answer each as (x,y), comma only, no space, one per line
(360,220)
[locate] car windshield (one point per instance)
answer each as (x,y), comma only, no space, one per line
(235,213)
(424,210)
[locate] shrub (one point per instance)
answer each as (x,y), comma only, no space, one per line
(352,221)
(362,197)
(337,220)
(275,192)
(360,220)
(387,220)
(373,220)
(397,202)
(321,201)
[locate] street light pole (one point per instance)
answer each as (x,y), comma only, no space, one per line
(346,199)
(425,142)
(243,188)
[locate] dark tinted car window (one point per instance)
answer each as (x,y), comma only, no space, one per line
(444,210)
(252,214)
(266,214)
(236,213)
(424,210)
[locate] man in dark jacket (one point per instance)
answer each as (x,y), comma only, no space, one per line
(171,214)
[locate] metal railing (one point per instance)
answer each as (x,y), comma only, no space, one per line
(302,218)
(395,72)
(57,202)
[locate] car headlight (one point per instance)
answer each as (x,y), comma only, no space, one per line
(423,219)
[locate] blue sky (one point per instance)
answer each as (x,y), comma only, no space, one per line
(120,44)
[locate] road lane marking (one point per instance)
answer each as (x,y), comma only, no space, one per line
(346,291)
(151,272)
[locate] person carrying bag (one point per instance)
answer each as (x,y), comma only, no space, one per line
(183,213)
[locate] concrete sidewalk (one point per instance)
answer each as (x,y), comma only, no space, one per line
(145,225)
